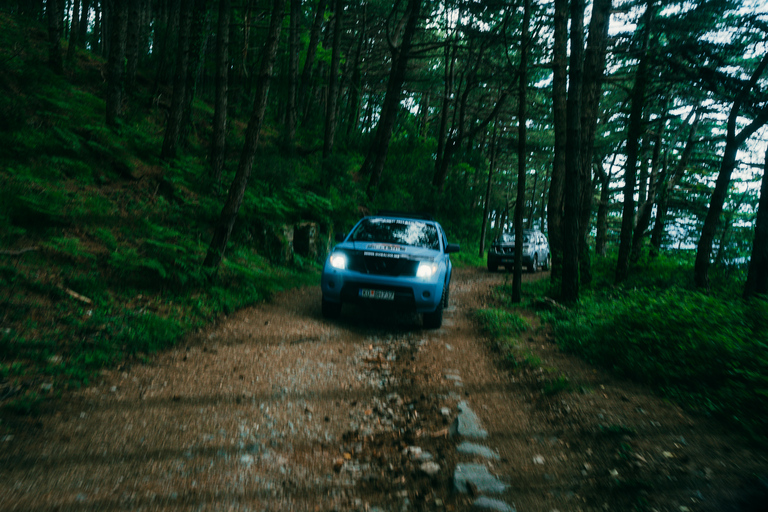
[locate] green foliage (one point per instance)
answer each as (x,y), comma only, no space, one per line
(500,324)
(556,385)
(704,351)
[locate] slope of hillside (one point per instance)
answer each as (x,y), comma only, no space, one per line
(100,240)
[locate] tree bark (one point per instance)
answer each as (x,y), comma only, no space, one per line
(522,153)
(82,37)
(218,145)
(53,13)
(133,44)
(293,72)
(570,277)
(173,126)
(234,200)
(557,181)
(166,40)
(453,144)
(601,237)
(732,143)
(115,73)
(634,132)
(309,59)
(757,276)
(487,203)
(594,70)
(333,79)
(377,153)
(356,82)
(442,135)
(646,206)
(197,44)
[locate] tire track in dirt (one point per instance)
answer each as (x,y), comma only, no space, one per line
(276,408)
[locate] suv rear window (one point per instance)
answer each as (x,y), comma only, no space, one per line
(397,231)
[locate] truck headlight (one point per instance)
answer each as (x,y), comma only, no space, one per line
(427,269)
(339,260)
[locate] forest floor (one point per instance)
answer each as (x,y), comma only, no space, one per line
(276,408)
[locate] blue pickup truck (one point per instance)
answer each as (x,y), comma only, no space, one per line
(390,259)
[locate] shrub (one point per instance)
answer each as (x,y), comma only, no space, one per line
(706,352)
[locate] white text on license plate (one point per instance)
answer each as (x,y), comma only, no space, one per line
(377,294)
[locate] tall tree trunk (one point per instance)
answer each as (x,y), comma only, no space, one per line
(197,43)
(557,181)
(594,70)
(424,115)
(74,32)
(82,37)
(733,142)
(234,200)
(133,44)
(53,13)
(442,134)
(522,121)
(646,207)
(115,74)
(293,72)
(487,202)
(356,83)
(757,276)
(218,145)
(166,43)
(173,126)
(309,59)
(668,184)
(634,133)
(570,277)
(728,218)
(532,215)
(333,79)
(377,153)
(601,238)
(453,144)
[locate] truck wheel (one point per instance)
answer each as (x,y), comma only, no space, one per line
(534,266)
(434,320)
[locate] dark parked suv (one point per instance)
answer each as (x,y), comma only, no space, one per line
(535,251)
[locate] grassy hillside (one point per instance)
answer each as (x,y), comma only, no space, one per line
(100,241)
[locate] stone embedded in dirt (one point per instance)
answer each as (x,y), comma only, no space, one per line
(479,450)
(538,459)
(467,424)
(445,411)
(470,476)
(486,503)
(430,468)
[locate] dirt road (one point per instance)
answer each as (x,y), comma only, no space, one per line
(278,409)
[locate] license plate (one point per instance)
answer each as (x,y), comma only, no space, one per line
(377,294)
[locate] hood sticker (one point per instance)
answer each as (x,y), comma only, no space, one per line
(382,255)
(385,247)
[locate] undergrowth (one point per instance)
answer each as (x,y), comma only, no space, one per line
(708,352)
(101,242)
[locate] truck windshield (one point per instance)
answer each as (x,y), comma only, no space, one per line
(397,231)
